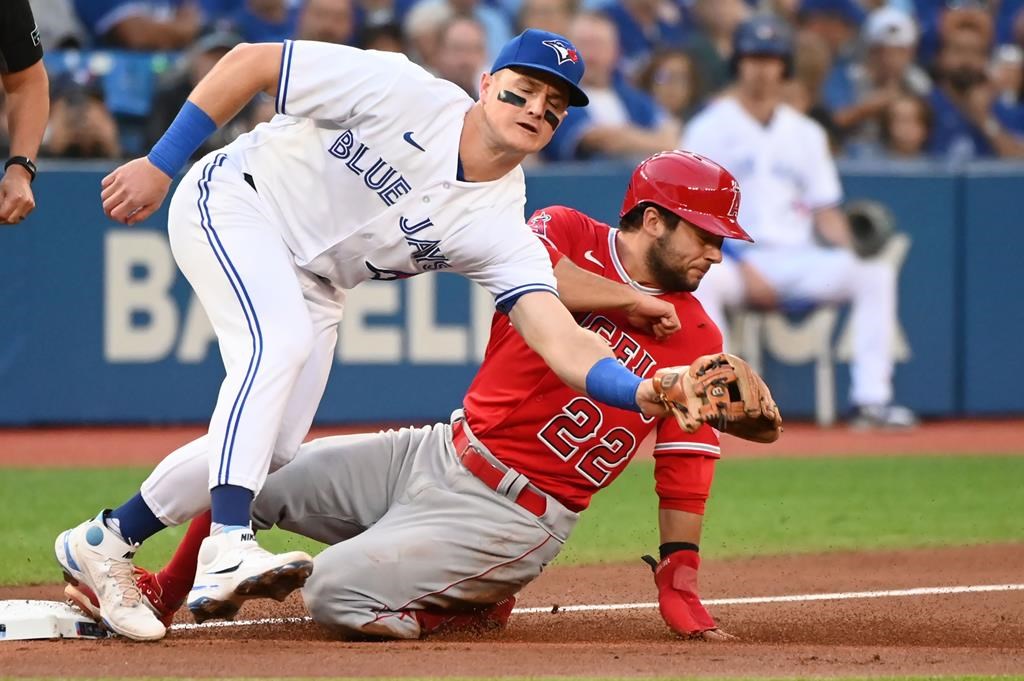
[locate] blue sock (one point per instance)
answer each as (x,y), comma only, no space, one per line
(134,520)
(230,505)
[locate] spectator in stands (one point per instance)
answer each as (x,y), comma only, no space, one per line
(711,43)
(373,13)
(80,126)
(643,26)
(174,90)
(329,21)
(905,126)
(837,21)
(790,189)
(140,24)
(787,10)
(383,37)
(812,63)
(266,21)
(26,101)
(1007,74)
(496,24)
(620,121)
(547,15)
(673,80)
(969,121)
(462,54)
(858,93)
(59,28)
(422,28)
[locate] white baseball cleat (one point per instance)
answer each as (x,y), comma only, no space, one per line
(99,558)
(233,568)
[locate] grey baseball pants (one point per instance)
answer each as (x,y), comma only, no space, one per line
(409,528)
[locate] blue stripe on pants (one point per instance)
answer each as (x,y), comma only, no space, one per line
(235,416)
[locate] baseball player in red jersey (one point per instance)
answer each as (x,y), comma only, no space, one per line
(439,527)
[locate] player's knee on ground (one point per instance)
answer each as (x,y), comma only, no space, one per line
(346,613)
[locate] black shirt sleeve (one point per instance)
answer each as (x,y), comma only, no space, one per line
(19,38)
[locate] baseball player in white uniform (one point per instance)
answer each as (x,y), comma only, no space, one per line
(372,169)
(790,186)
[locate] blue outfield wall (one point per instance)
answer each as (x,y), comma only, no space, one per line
(97,325)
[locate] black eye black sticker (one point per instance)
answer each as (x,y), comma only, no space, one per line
(511,98)
(551,119)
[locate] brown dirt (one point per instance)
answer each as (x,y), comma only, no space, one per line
(116,446)
(949,634)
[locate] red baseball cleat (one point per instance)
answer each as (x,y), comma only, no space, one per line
(85,600)
(491,618)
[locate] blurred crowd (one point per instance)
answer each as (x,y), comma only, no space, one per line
(902,79)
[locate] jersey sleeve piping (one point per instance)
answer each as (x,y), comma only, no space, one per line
(702,447)
(507,300)
(282,77)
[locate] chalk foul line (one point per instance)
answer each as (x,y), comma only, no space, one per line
(752,600)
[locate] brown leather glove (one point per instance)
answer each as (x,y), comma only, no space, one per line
(723,391)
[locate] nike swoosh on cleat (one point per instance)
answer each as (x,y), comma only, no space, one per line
(408,138)
(589,255)
(225,570)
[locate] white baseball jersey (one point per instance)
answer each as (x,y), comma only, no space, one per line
(359,170)
(785,168)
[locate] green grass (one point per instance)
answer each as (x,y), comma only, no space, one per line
(771,506)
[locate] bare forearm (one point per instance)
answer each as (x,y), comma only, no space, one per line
(28,109)
(628,140)
(1006,144)
(144,33)
(550,331)
(583,291)
(833,226)
(238,77)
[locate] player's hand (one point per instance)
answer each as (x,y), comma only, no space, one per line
(649,401)
(16,199)
(134,191)
(653,315)
(760,294)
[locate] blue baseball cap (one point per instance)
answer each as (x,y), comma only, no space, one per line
(847,10)
(548,52)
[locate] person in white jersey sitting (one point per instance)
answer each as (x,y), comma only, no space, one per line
(791,187)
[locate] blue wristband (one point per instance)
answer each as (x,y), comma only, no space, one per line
(190,129)
(611,383)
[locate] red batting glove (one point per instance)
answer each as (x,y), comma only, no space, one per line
(678,601)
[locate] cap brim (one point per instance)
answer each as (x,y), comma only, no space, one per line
(577,97)
(730,229)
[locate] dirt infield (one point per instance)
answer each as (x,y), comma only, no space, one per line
(948,634)
(980,633)
(85,447)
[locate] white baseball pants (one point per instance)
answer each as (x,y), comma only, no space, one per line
(277,330)
(822,275)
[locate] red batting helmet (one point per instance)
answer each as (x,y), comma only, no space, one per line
(693,187)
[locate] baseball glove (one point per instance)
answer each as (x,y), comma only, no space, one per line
(723,391)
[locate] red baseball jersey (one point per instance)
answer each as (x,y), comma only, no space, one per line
(569,445)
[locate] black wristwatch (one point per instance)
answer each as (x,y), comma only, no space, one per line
(23,161)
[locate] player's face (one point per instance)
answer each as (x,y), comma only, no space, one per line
(678,259)
(522,109)
(761,75)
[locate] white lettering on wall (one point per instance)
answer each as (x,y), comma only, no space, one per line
(140,316)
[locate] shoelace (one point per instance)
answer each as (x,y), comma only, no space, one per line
(123,574)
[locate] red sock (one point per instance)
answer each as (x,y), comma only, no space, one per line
(177,576)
